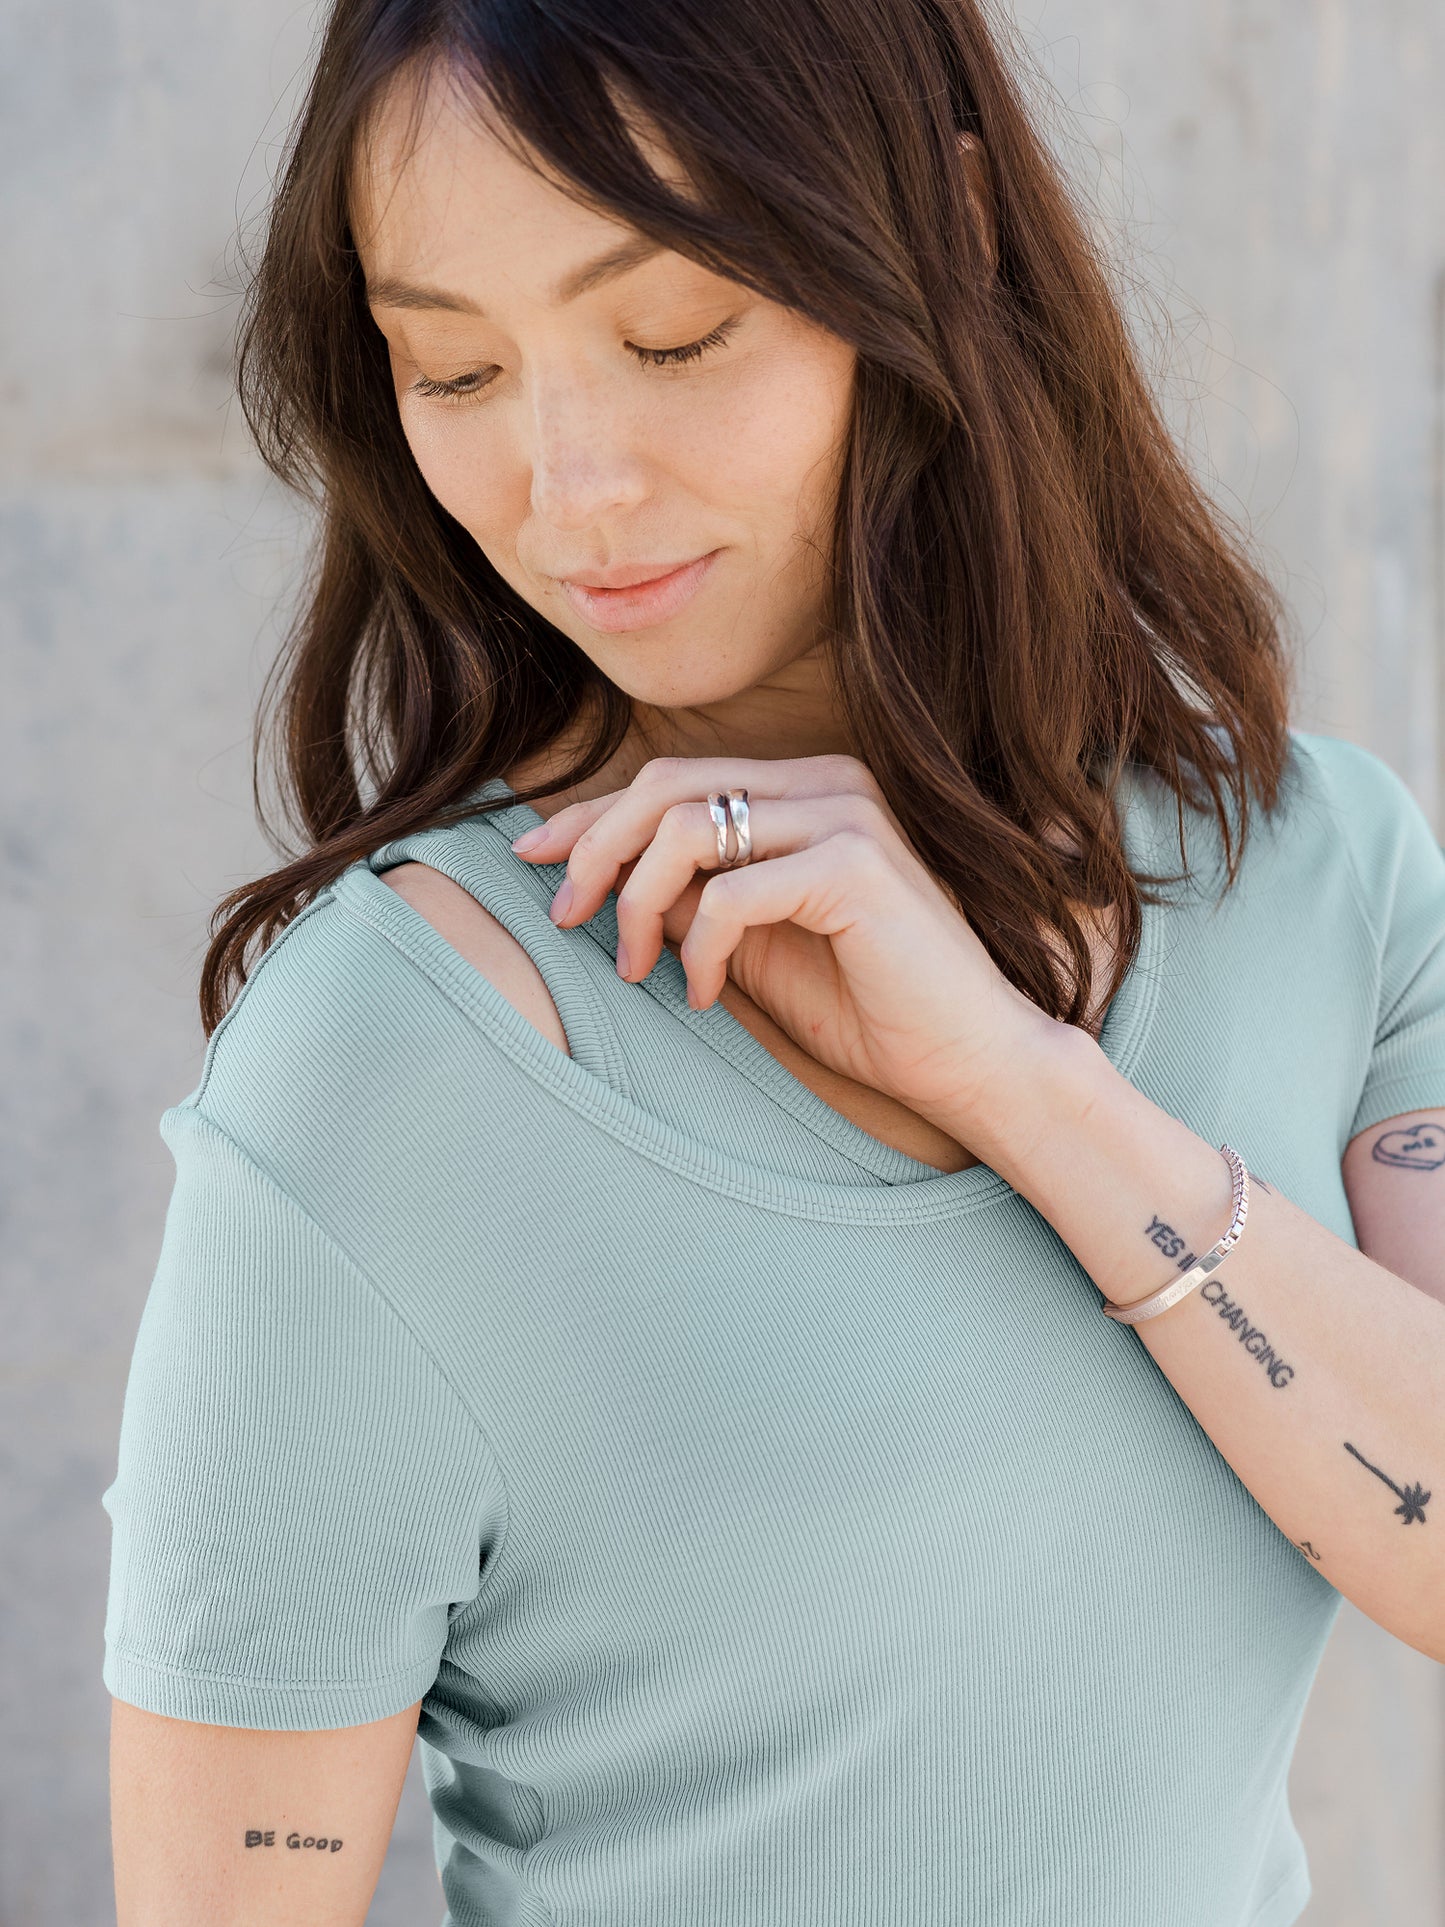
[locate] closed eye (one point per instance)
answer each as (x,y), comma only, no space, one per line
(658,357)
(463,387)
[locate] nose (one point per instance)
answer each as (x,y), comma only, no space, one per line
(586,464)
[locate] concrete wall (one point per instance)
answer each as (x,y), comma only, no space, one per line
(1280,168)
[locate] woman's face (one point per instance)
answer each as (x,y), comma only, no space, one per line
(552,424)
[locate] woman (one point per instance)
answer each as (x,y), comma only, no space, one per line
(673,1354)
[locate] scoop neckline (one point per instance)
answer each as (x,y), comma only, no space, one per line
(906,1189)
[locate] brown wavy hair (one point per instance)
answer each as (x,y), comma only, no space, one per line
(1027,588)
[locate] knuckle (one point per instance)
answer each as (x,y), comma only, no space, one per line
(583,849)
(860,815)
(658,772)
(852,775)
(859,848)
(678,821)
(713,897)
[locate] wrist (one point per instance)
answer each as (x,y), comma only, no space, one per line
(1045,1077)
(1101,1162)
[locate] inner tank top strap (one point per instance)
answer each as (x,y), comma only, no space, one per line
(518,898)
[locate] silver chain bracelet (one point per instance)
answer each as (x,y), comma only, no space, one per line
(1181,1287)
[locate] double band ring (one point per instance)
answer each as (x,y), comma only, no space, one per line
(729,809)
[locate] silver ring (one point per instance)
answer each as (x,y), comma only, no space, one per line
(729,809)
(738,810)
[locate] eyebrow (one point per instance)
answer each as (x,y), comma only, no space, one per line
(388,292)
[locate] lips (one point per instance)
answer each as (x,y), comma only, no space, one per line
(640,604)
(630,576)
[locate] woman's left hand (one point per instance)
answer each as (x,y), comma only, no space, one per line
(835,928)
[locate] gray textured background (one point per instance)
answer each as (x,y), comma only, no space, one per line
(1276,171)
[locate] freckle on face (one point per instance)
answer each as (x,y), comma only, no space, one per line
(580,457)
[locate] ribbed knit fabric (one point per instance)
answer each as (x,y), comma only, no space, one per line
(771,1526)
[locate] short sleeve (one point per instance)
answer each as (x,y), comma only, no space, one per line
(301,1499)
(1399,868)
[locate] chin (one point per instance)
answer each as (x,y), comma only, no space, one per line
(671,678)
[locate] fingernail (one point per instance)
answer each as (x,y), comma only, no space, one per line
(623,965)
(562,902)
(529,839)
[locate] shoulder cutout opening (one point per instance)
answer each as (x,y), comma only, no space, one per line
(485,943)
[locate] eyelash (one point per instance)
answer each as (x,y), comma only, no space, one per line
(650,357)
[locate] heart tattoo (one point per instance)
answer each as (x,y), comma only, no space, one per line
(1421,1147)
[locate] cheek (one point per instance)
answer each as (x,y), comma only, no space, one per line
(467,468)
(773,446)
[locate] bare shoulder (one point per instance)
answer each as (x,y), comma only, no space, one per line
(485,943)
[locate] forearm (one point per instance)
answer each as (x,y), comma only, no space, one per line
(1318,1374)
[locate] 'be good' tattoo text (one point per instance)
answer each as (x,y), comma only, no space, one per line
(266,1837)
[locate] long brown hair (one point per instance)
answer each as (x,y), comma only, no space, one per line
(1028,589)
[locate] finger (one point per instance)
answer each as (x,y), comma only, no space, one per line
(822,888)
(632,818)
(611,828)
(685,842)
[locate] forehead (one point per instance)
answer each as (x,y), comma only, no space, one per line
(436,179)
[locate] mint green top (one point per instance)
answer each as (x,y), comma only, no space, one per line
(771,1526)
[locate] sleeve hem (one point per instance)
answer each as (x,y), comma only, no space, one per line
(1417,1090)
(261,1705)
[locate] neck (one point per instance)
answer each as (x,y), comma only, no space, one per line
(791,712)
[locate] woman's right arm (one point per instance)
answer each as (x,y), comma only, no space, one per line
(239,1827)
(305,1496)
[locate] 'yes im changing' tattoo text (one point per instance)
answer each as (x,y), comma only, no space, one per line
(1213,1292)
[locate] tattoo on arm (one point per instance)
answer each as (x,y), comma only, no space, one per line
(1419,1147)
(266,1837)
(1305,1546)
(1413,1497)
(1171,1243)
(1213,1293)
